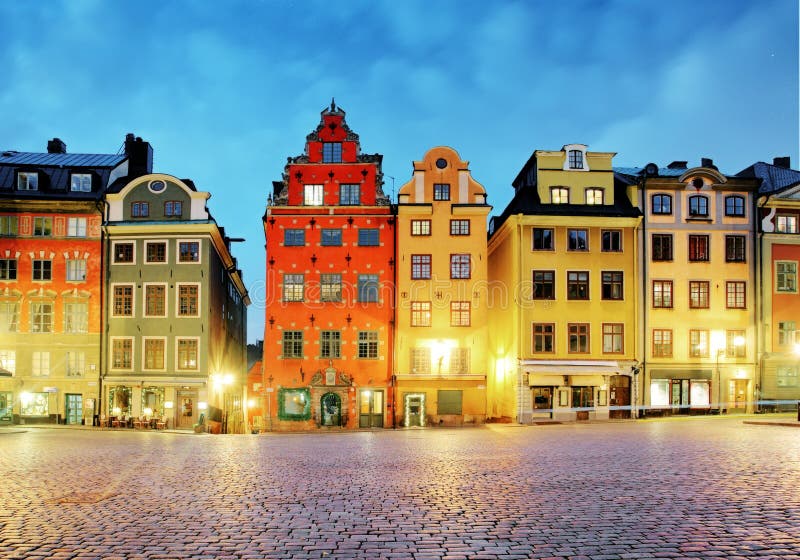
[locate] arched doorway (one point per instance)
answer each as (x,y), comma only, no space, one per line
(620,396)
(331,405)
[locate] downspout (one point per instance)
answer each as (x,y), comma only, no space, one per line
(393,320)
(760,332)
(104,248)
(643,299)
(518,310)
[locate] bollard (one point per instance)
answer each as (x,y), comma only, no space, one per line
(798,411)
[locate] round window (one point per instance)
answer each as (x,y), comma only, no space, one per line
(157,186)
(441,163)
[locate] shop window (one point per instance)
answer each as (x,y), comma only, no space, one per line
(34,404)
(120,401)
(153,400)
(786,376)
(294,404)
(583,397)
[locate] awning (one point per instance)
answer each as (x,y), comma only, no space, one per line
(575,367)
(163,380)
(681,373)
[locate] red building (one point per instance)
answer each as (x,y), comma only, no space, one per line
(329,293)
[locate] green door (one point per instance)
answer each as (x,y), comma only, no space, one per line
(73,408)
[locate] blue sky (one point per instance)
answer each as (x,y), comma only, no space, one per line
(225,91)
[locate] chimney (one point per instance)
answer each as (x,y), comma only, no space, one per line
(707,162)
(140,156)
(56,146)
(677,165)
(785,162)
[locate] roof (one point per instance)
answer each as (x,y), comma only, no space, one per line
(12,157)
(773,178)
(662,171)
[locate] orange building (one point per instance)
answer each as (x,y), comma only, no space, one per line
(329,292)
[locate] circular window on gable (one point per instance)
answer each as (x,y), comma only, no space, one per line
(441,163)
(157,186)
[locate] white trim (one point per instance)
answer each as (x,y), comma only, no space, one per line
(178,299)
(178,242)
(177,345)
(133,299)
(144,299)
(567,148)
(144,357)
(153,242)
(114,252)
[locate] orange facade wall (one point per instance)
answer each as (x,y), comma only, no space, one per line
(785,306)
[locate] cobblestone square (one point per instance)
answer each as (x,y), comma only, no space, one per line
(688,488)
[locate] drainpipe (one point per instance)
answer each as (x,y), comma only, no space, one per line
(760,332)
(643,300)
(393,322)
(518,308)
(104,248)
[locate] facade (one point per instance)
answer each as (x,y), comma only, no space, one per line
(330,287)
(175,305)
(51,284)
(563,336)
(698,289)
(442,307)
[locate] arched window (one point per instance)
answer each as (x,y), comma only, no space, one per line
(698,205)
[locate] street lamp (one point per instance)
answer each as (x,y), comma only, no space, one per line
(718,342)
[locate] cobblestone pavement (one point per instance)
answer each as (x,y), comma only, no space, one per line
(694,488)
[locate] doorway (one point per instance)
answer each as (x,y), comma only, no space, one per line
(73,408)
(186,411)
(619,396)
(737,395)
(370,409)
(542,401)
(331,405)
(414,410)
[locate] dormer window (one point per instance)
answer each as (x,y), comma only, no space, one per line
(312,195)
(27,181)
(559,195)
(80,182)
(698,206)
(173,208)
(594,196)
(441,191)
(331,152)
(575,159)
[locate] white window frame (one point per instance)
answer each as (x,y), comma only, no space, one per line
(111,341)
(82,180)
(178,251)
(178,299)
(75,363)
(76,227)
(144,353)
(177,349)
(24,181)
(114,252)
(75,271)
(313,195)
(8,361)
(144,299)
(578,148)
(40,364)
(84,323)
(156,242)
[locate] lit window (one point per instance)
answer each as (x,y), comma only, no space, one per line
(786,276)
(349,195)
(420,360)
(662,294)
(420,314)
(312,195)
(735,346)
(331,152)
(420,227)
(188,354)
(441,191)
(662,343)
(188,300)
(76,317)
(330,287)
(81,182)
(27,181)
(154,353)
(559,195)
(459,365)
(76,270)
(76,364)
(594,196)
(41,364)
(787,333)
(459,313)
(735,294)
(37,404)
(698,294)
(9,316)
(613,338)
(8,226)
(8,361)
(42,226)
(786,224)
(368,345)
(76,227)
(698,343)
(41,317)
(293,287)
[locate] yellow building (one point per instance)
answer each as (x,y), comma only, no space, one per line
(441,331)
(563,292)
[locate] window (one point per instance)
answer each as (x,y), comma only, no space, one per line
(577,240)
(155,300)
(42,226)
(786,276)
(155,252)
(292,344)
(662,247)
(368,345)
(76,227)
(154,353)
(613,338)
(368,237)
(459,227)
(8,226)
(173,208)
(544,337)
(140,209)
(559,195)
(330,344)
(734,205)
(459,266)
(698,206)
(698,248)
(331,237)
(76,270)
(698,294)
(578,337)
(349,195)
(594,196)
(9,316)
(662,204)
(8,361)
(441,191)
(188,300)
(786,333)
(121,353)
(662,343)
(312,195)
(189,251)
(459,313)
(420,360)
(42,270)
(123,300)
(420,314)
(368,288)
(188,354)
(123,253)
(41,317)
(41,364)
(543,239)
(294,404)
(330,287)
(8,269)
(662,294)
(293,287)
(459,361)
(735,346)
(76,364)
(735,295)
(331,152)
(735,248)
(611,241)
(420,227)
(420,267)
(27,181)
(81,182)
(577,285)
(786,376)
(36,405)
(698,344)
(294,237)
(786,224)
(544,284)
(76,317)
(612,285)
(575,159)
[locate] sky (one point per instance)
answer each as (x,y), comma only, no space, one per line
(226,91)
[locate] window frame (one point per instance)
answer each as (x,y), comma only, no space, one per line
(578,285)
(173,208)
(155,243)
(179,297)
(180,250)
(613,334)
(736,248)
(75,270)
(457,227)
(575,159)
(787,285)
(574,239)
(543,239)
(786,223)
(699,294)
(420,228)
(82,179)
(368,288)
(41,270)
(9,226)
(420,314)
(731,349)
(178,351)
(369,237)
(545,282)
(699,349)
(123,304)
(460,266)
(314,194)
(164,361)
(699,246)
(330,344)
(350,194)
(658,301)
(116,255)
(421,265)
(616,278)
(331,152)
(140,209)
(657,201)
(293,287)
(661,347)
(735,211)
(460,314)
(590,196)
(577,332)
(9,269)
(664,242)
(146,299)
(330,291)
(698,206)
(42,321)
(24,182)
(292,339)
(543,333)
(297,236)
(330,237)
(42,226)
(76,226)
(368,345)
(113,353)
(441,192)
(611,241)
(559,195)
